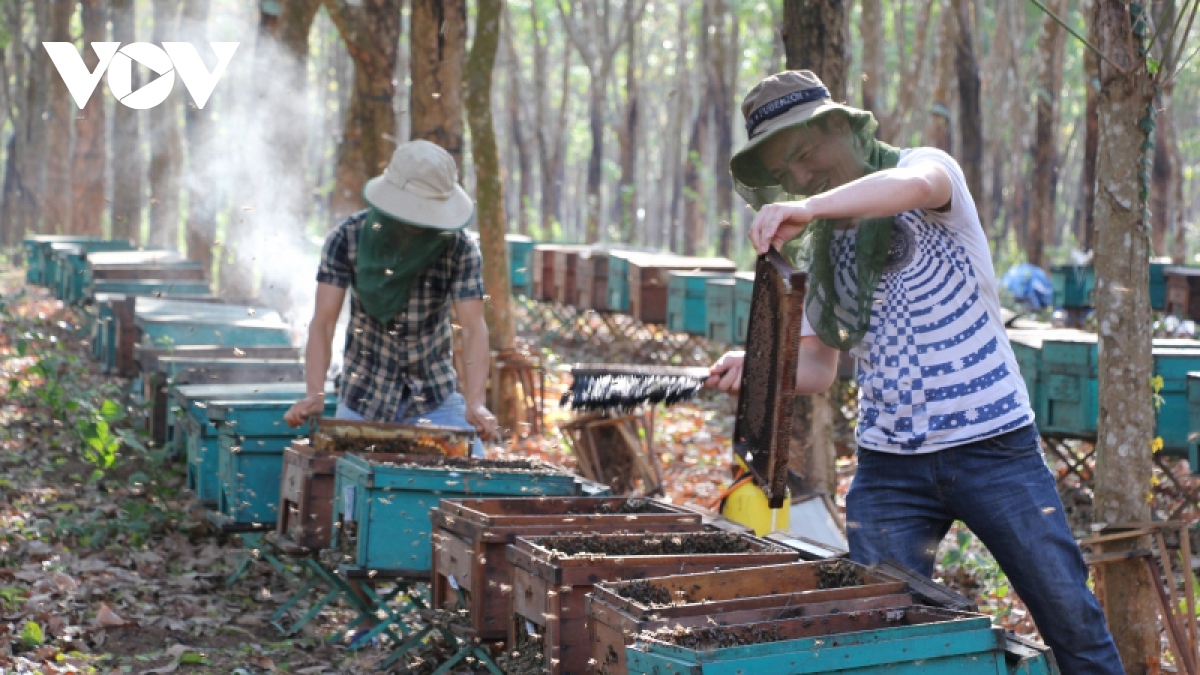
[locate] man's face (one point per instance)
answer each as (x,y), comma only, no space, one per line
(812,158)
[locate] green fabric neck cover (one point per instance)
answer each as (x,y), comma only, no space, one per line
(838,301)
(391,254)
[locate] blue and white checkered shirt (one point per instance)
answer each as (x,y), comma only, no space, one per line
(411,358)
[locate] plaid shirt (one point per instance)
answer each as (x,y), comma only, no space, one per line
(411,358)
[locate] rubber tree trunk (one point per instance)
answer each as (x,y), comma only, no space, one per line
(128,179)
(1091,68)
(626,203)
(940,131)
(166,143)
(721,78)
(1123,458)
(815,36)
(89,160)
(970,105)
(1045,138)
(201,226)
(873,83)
(56,207)
(16,188)
(439,43)
(489,196)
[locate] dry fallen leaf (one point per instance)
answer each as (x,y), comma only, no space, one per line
(109,619)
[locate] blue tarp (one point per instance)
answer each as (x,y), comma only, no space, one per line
(1029,285)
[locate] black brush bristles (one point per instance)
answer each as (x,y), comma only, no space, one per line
(624,388)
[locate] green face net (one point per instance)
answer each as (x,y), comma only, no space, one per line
(844,259)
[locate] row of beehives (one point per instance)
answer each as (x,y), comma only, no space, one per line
(1061,372)
(701,296)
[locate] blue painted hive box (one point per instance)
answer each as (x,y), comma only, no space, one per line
(520,263)
(251,438)
(198,436)
(1193,398)
(151,287)
(382,501)
(719,304)
(686,300)
(71,265)
(618,281)
(1073,285)
(208,330)
(37,251)
(911,639)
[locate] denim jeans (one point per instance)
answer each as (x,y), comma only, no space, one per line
(901,506)
(451,413)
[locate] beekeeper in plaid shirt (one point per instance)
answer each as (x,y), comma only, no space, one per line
(407,257)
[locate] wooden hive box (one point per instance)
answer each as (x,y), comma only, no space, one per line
(382,501)
(307,486)
(1182,291)
(549,588)
(911,639)
(544,265)
(731,597)
(566,269)
(687,308)
(649,277)
(719,309)
(193,434)
(592,280)
(251,438)
(470,537)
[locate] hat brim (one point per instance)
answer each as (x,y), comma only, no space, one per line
(746,166)
(454,213)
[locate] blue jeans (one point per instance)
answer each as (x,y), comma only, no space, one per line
(451,413)
(901,506)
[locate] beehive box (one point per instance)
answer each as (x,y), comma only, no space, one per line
(307,487)
(619,611)
(719,309)
(191,432)
(1158,285)
(742,293)
(470,537)
(687,309)
(649,277)
(117,256)
(182,370)
(1172,421)
(551,576)
(151,287)
(592,280)
(386,499)
(566,268)
(545,264)
(74,267)
(520,261)
(1182,291)
(115,330)
(37,253)
(911,639)
(251,438)
(1073,285)
(1193,397)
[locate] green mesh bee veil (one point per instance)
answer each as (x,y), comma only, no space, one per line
(840,292)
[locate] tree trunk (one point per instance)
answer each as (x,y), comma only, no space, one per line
(721,106)
(517,128)
(166,145)
(439,43)
(1091,147)
(89,161)
(674,162)
(16,191)
(595,165)
(816,37)
(940,131)
(201,230)
(1045,138)
(873,84)
(1123,457)
(489,195)
(626,203)
(970,106)
(128,162)
(1167,170)
(550,131)
(59,108)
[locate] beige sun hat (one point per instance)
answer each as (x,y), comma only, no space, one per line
(781,101)
(420,186)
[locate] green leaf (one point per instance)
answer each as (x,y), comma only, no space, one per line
(31,634)
(192,659)
(111,411)
(22,344)
(1153,66)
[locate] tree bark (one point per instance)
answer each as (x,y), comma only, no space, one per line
(16,189)
(166,145)
(815,36)
(626,204)
(1126,428)
(720,100)
(1168,172)
(517,121)
(89,160)
(551,130)
(201,230)
(489,195)
(1045,137)
(969,100)
(940,130)
(439,42)
(873,84)
(676,161)
(1091,148)
(128,161)
(59,108)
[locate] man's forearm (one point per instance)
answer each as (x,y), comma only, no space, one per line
(478,356)
(879,195)
(317,355)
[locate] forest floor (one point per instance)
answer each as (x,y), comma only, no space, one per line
(107,565)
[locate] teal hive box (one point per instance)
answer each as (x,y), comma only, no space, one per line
(112,311)
(387,499)
(903,641)
(1193,398)
(251,438)
(1172,417)
(210,330)
(741,309)
(151,287)
(1073,285)
(686,301)
(48,258)
(1027,348)
(71,266)
(1158,286)
(618,281)
(719,304)
(520,263)
(89,273)
(37,249)
(195,433)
